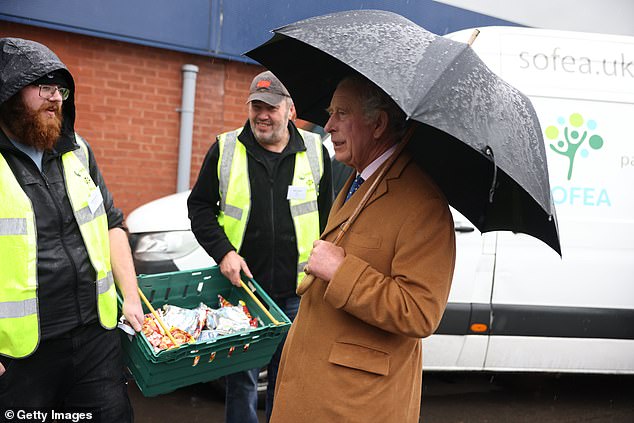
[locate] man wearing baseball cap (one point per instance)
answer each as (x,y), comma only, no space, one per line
(261,199)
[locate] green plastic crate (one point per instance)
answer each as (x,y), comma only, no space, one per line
(164,371)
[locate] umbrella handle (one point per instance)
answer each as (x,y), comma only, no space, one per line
(305,284)
(309,279)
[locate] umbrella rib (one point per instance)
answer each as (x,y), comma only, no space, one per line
(423,93)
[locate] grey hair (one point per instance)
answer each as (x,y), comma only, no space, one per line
(375,100)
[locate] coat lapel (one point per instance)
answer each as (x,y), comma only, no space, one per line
(340,211)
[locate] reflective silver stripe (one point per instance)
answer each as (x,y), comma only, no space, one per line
(13,226)
(14,309)
(233,211)
(313,158)
(81,152)
(225,166)
(300,266)
(103,285)
(304,208)
(84,215)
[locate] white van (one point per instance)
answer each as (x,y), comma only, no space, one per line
(515,305)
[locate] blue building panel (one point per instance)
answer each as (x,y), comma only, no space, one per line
(164,23)
(255,19)
(219,28)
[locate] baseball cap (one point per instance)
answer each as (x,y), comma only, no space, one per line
(267,88)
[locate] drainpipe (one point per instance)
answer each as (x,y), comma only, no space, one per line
(187,127)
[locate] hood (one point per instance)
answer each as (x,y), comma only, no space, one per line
(24,61)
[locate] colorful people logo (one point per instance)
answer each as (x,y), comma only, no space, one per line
(572,138)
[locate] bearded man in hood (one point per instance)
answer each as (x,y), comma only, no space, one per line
(63,248)
(36,125)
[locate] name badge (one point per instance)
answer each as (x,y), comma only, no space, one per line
(296,193)
(95,200)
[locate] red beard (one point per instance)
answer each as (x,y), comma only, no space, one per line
(32,127)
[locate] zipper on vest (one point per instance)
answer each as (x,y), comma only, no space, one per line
(272,177)
(48,187)
(273,174)
(61,225)
(272,203)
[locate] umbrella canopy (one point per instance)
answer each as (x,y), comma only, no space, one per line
(478,137)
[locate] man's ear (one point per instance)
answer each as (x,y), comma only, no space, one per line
(380,124)
(292,113)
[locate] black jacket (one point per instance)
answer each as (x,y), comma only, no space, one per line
(66,278)
(269,246)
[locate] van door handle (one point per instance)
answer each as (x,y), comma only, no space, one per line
(463,228)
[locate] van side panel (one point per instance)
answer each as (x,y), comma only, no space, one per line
(574,313)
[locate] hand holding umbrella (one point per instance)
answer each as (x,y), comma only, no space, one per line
(324,260)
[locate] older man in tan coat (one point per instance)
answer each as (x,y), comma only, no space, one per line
(354,351)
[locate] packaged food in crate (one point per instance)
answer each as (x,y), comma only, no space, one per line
(158,367)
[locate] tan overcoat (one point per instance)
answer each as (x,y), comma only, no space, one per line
(354,352)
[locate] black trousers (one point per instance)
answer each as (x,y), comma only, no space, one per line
(80,372)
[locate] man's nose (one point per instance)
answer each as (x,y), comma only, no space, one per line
(56,97)
(263,115)
(328,126)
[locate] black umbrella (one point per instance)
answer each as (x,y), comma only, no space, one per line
(479,137)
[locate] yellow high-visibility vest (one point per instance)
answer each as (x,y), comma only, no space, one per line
(235,192)
(19,319)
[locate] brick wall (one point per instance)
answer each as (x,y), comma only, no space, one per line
(127,102)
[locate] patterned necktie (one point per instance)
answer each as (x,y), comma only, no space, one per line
(355,186)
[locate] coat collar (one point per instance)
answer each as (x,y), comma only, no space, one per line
(340,211)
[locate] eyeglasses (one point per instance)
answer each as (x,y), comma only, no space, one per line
(48,91)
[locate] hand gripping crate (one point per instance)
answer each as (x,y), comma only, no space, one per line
(164,371)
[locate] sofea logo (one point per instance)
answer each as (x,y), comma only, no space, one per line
(572,137)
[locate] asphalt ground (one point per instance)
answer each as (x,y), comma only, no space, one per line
(448,398)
